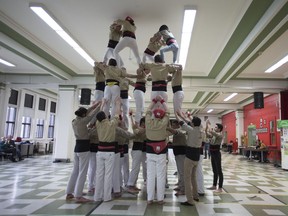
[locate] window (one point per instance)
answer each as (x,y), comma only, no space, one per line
(42,104)
(40,128)
(26,127)
(10,121)
(28,102)
(53,107)
(13,99)
(51,126)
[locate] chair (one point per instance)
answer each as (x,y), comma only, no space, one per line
(24,150)
(31,149)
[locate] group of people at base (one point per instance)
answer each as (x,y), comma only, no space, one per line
(100,149)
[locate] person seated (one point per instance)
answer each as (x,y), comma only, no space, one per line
(262,146)
(10,147)
(230,147)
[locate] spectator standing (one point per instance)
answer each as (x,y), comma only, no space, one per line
(216,155)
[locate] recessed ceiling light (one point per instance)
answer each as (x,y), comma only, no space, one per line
(48,19)
(2,61)
(188,23)
(210,110)
(277,65)
(230,96)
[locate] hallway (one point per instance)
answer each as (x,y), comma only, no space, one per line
(36,186)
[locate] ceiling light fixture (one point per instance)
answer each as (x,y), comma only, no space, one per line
(48,19)
(277,65)
(230,96)
(210,110)
(2,61)
(188,23)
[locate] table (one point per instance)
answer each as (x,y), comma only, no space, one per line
(253,149)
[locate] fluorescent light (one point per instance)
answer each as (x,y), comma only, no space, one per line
(189,18)
(7,63)
(210,110)
(43,14)
(277,65)
(230,96)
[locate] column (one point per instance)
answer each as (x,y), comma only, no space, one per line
(64,137)
(3,107)
(239,125)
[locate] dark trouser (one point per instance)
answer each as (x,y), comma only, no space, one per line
(229,148)
(14,152)
(216,167)
(207,151)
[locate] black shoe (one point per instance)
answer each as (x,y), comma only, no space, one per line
(201,194)
(196,199)
(186,203)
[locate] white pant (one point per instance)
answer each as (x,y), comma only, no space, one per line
(162,93)
(144,166)
(125,168)
(147,56)
(199,174)
(156,168)
(110,94)
(125,111)
(178,98)
(136,161)
(78,175)
(98,95)
(180,169)
(92,170)
(127,42)
(116,174)
(139,102)
(110,54)
(104,172)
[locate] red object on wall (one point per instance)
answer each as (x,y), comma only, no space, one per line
(229,126)
(235,146)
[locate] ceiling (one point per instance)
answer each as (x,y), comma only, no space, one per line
(233,42)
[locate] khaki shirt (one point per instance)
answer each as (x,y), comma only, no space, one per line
(99,75)
(179,139)
(140,134)
(154,45)
(156,128)
(107,129)
(112,72)
(142,79)
(123,136)
(79,125)
(217,137)
(124,84)
(114,34)
(126,25)
(194,134)
(93,135)
(159,72)
(177,78)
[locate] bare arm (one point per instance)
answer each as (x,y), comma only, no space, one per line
(183,117)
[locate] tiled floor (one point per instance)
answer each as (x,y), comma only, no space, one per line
(36,186)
